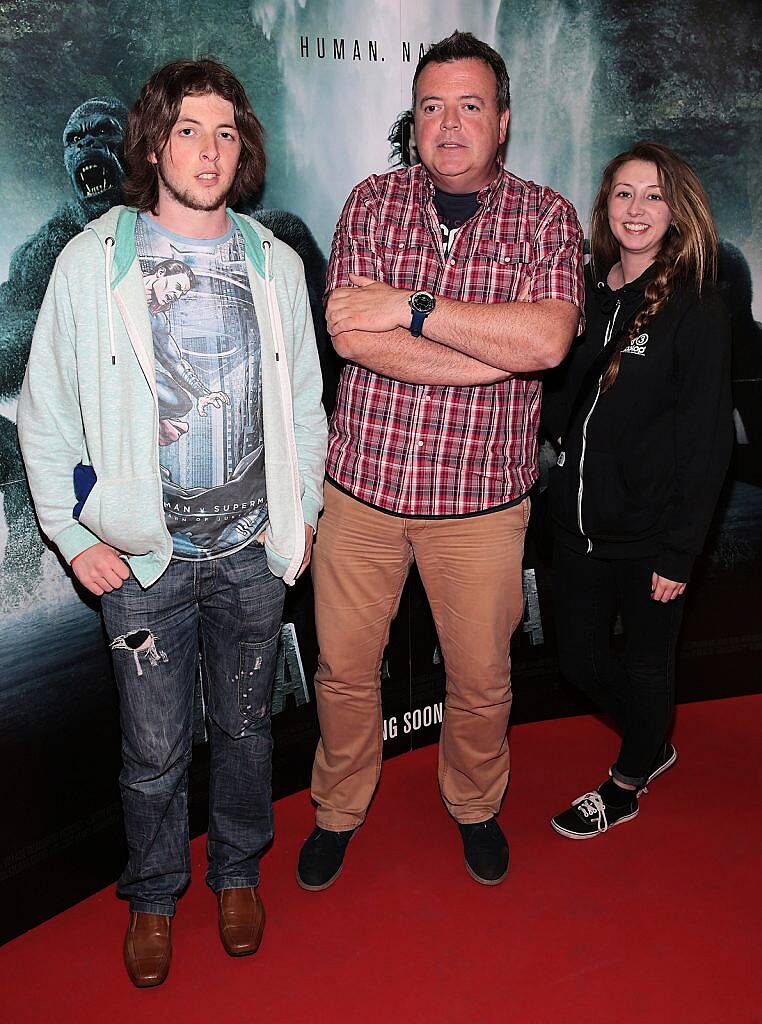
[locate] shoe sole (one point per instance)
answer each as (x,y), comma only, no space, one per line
(147,984)
(317,888)
(484,881)
(250,951)
(592,835)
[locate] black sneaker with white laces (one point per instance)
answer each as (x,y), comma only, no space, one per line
(322,858)
(486,851)
(590,815)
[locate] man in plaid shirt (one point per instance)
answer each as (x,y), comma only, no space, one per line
(451,285)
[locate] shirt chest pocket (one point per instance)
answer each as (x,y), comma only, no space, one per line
(410,258)
(495,271)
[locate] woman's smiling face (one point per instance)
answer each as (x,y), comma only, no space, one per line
(639,217)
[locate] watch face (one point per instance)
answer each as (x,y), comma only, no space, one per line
(422,302)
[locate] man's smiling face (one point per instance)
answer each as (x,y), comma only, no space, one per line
(458,129)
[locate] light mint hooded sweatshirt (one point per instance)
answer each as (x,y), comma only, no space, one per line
(89,395)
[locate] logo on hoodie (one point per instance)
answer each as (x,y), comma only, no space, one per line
(637,346)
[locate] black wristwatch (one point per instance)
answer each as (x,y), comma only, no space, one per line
(421,303)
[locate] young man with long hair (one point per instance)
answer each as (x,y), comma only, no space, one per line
(174,439)
(645,427)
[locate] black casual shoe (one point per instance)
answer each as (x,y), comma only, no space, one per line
(321,858)
(589,815)
(486,851)
(667,757)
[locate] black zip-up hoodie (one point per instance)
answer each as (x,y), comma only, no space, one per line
(642,464)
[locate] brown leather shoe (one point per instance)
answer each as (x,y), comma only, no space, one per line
(148,948)
(242,920)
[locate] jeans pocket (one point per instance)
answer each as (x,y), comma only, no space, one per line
(256,669)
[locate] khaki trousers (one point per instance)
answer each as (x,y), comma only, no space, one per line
(471,569)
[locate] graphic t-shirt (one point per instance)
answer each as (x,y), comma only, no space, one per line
(453,212)
(208,373)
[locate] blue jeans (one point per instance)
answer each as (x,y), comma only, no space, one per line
(231,607)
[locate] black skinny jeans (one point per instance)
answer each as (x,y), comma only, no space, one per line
(637,689)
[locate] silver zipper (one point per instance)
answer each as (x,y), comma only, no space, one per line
(606,340)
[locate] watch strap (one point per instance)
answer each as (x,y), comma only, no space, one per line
(416,323)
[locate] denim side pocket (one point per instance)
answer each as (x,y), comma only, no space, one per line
(256,669)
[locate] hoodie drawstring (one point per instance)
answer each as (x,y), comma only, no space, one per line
(110,243)
(271,301)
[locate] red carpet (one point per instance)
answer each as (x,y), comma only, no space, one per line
(657,921)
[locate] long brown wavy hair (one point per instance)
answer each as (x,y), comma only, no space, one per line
(156,111)
(688,253)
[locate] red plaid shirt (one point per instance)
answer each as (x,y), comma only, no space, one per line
(417,450)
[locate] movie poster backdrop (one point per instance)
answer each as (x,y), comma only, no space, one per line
(330,80)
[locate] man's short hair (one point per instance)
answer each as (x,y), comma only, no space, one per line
(465,46)
(158,108)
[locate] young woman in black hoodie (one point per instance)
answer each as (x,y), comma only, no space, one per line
(644,422)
